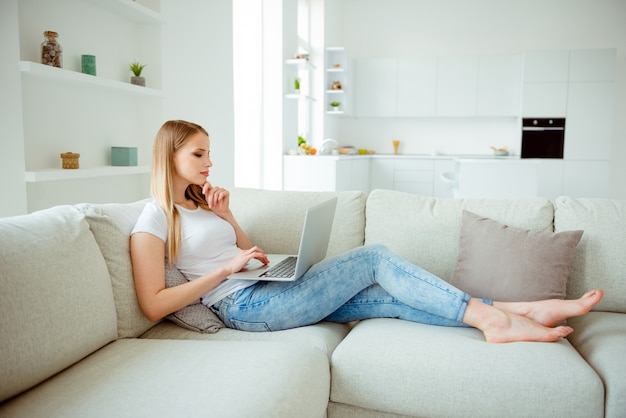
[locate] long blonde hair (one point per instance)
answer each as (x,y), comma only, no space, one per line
(169,139)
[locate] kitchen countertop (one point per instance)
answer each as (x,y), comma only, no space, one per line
(415,156)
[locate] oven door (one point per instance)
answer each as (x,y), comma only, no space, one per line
(543,138)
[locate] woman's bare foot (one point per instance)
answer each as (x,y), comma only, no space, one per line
(516,328)
(500,326)
(552,312)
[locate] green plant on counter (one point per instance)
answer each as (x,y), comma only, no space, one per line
(136,68)
(335,104)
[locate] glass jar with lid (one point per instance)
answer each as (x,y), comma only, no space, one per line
(51,50)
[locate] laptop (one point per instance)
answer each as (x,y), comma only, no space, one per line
(318,222)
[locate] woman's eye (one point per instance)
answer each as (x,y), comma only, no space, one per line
(198,155)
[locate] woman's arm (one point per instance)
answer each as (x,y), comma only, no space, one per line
(156,301)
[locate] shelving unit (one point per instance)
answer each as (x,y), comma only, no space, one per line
(61,75)
(65,110)
(336,64)
(54,174)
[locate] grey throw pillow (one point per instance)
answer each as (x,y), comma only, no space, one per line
(196,317)
(509,264)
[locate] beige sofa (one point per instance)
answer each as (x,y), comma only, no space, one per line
(74,343)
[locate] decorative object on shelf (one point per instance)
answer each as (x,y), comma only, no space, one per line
(336,85)
(296,84)
(335,105)
(136,69)
(88,64)
(396,145)
(51,50)
(336,65)
(500,152)
(303,56)
(124,156)
(70,160)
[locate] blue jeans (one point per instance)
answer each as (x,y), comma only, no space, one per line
(366,282)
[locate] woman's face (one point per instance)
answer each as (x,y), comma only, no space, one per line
(192,161)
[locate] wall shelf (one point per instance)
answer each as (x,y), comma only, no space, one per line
(130,10)
(83,173)
(58,74)
(299,97)
(300,63)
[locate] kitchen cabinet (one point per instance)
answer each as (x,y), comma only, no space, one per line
(462,86)
(589,126)
(376,87)
(417,87)
(586,178)
(457,85)
(57,98)
(418,175)
(326,173)
(499,85)
(545,84)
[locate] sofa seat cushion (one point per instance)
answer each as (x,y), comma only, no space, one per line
(422,370)
(600,260)
(160,378)
(600,337)
(55,293)
(426,230)
(324,336)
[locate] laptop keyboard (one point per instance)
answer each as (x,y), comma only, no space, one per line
(285,268)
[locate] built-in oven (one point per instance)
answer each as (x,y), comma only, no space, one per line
(543,137)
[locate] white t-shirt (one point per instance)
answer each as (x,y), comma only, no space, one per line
(208,242)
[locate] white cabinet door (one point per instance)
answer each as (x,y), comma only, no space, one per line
(545,84)
(414,175)
(546,66)
(586,178)
(549,178)
(457,86)
(589,124)
(544,100)
(316,174)
(381,174)
(375,87)
(592,65)
(417,87)
(499,85)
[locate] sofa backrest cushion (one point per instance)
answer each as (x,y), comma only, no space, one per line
(56,299)
(273,220)
(426,230)
(111,224)
(600,260)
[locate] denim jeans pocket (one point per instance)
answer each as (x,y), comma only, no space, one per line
(249,326)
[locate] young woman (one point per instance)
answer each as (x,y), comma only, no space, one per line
(190,223)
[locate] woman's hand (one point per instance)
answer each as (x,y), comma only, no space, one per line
(218,199)
(237,263)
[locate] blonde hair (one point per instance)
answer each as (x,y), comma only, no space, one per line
(169,139)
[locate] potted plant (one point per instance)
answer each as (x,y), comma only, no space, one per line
(136,69)
(335,105)
(296,84)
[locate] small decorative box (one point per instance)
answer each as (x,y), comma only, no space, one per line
(70,159)
(124,156)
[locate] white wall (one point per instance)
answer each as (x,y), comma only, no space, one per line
(12,155)
(198,74)
(372,28)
